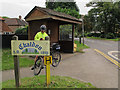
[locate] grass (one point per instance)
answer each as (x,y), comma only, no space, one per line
(80,47)
(40,82)
(8,60)
(117,39)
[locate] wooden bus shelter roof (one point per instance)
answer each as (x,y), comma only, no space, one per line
(34,14)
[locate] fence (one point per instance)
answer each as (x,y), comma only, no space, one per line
(6,40)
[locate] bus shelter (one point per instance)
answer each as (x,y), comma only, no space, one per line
(54,21)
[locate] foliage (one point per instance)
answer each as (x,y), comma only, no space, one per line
(71,12)
(118,35)
(80,47)
(93,34)
(110,36)
(22,31)
(67,5)
(40,82)
(103,17)
(65,32)
(98,38)
(5,17)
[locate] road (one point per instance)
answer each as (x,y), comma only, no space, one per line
(102,45)
(110,48)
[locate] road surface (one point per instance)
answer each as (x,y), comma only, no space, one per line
(109,48)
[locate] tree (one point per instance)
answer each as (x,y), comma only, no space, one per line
(5,17)
(73,12)
(22,31)
(65,7)
(104,16)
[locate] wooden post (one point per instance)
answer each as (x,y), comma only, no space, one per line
(80,39)
(16,66)
(73,28)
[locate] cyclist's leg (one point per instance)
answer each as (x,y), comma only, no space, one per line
(42,64)
(34,65)
(36,58)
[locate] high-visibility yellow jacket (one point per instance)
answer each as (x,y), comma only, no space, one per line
(40,35)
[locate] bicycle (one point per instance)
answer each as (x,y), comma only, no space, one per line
(56,58)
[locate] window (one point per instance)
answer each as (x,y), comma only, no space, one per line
(66,32)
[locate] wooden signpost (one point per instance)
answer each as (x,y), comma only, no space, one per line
(16,67)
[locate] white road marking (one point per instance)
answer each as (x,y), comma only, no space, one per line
(110,53)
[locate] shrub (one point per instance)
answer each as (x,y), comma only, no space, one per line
(102,36)
(21,31)
(90,34)
(96,34)
(110,36)
(118,35)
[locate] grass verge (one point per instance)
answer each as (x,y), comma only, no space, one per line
(8,60)
(40,82)
(117,39)
(80,47)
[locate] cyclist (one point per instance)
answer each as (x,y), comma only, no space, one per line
(42,35)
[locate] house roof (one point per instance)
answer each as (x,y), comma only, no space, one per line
(1,19)
(15,22)
(3,26)
(53,13)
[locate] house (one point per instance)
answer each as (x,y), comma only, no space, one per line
(14,23)
(53,20)
(4,29)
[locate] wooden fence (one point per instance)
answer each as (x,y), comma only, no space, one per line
(6,40)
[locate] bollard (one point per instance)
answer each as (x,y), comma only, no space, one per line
(16,66)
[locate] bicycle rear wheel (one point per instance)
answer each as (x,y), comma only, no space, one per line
(56,58)
(38,66)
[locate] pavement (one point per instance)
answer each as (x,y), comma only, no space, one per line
(88,67)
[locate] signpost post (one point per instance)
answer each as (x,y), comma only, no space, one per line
(47,62)
(16,66)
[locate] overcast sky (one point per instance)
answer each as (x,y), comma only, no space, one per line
(14,8)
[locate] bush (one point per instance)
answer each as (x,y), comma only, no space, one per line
(110,36)
(118,35)
(93,34)
(90,34)
(96,34)
(21,31)
(102,36)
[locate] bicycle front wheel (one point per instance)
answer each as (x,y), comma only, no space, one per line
(56,58)
(38,66)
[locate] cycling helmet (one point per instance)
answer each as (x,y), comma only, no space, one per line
(42,27)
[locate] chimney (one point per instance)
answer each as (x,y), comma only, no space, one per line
(20,17)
